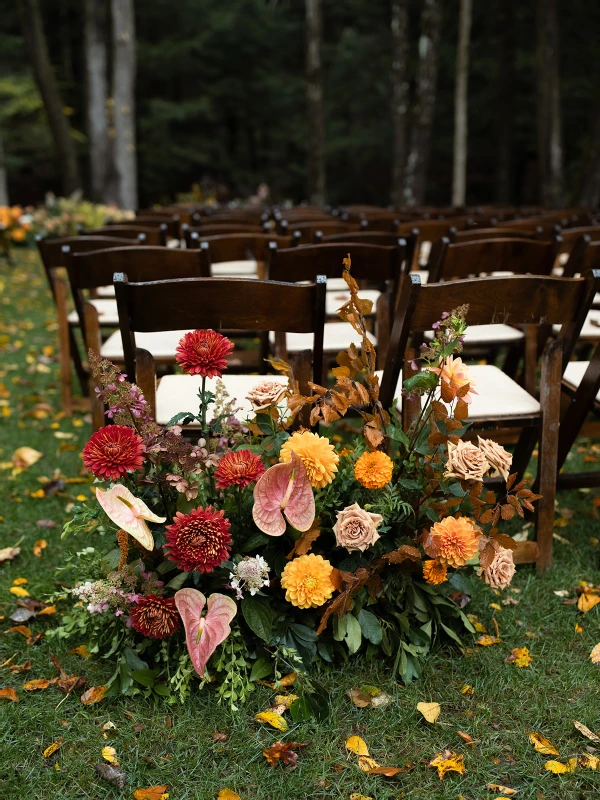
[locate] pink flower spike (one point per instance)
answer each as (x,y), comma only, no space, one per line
(204,634)
(284,488)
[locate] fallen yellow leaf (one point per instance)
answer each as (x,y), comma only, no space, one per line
(356,796)
(227,794)
(20,582)
(40,545)
(542,745)
(448,762)
(578,628)
(558,768)
(595,654)
(47,611)
(151,793)
(273,719)
(9,694)
(586,731)
(81,650)
(587,601)
(93,695)
(22,629)
(49,751)
(430,711)
(18,591)
(366,764)
(487,640)
(109,754)
(24,457)
(467,690)
(520,657)
(357,745)
(496,606)
(505,790)
(8,553)
(590,762)
(39,683)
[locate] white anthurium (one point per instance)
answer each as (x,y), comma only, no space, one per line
(129,513)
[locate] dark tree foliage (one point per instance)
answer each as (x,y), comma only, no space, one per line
(220,96)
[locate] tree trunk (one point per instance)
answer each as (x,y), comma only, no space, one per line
(33,32)
(123,21)
(590,191)
(3,177)
(549,118)
(459,171)
(97,94)
(420,140)
(314,103)
(400,91)
(506,103)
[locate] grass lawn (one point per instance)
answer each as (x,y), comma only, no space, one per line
(162,744)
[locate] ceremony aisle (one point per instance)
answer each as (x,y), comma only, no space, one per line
(52,743)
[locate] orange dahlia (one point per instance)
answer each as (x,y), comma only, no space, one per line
(199,540)
(453,376)
(317,454)
(374,470)
(453,541)
(307,581)
(239,469)
(113,451)
(435,572)
(203,353)
(154,616)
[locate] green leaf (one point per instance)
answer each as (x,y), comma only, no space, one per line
(370,626)
(133,660)
(301,710)
(260,669)
(162,690)
(147,677)
(259,616)
(110,561)
(177,582)
(353,635)
(452,634)
(185,417)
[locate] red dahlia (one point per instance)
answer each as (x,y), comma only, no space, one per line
(112,451)
(199,540)
(154,616)
(203,353)
(239,469)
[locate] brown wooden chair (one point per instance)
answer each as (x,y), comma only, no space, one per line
(172,221)
(153,237)
(424,234)
(476,234)
(309,230)
(53,259)
(221,229)
(501,403)
(379,266)
(240,255)
(87,271)
(217,303)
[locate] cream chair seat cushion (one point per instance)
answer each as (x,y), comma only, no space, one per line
(335,300)
(337,336)
(234,269)
(106,291)
(107,312)
(574,374)
(498,395)
(591,326)
(176,393)
(162,344)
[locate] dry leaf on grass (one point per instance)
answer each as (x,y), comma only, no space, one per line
(110,754)
(22,629)
(93,695)
(227,794)
(151,793)
(39,683)
(587,601)
(284,752)
(367,696)
(586,731)
(520,657)
(356,796)
(590,762)
(40,545)
(595,654)
(466,738)
(487,640)
(24,457)
(18,667)
(81,650)
(8,553)
(559,768)
(448,762)
(47,611)
(49,751)
(430,711)
(505,790)
(18,591)
(543,745)
(357,745)
(112,774)
(273,719)
(9,694)
(371,767)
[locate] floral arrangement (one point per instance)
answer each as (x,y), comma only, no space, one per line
(228,551)
(14,223)
(60,216)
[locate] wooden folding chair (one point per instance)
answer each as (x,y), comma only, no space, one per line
(87,271)
(501,403)
(424,233)
(220,304)
(221,229)
(309,230)
(172,221)
(374,264)
(237,255)
(153,237)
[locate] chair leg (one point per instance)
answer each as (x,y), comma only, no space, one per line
(524,450)
(66,397)
(548,459)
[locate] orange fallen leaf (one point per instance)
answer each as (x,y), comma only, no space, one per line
(22,629)
(40,545)
(38,683)
(151,793)
(466,738)
(81,650)
(543,745)
(19,667)
(47,611)
(520,657)
(284,752)
(287,680)
(595,654)
(505,790)
(20,582)
(9,694)
(587,601)
(487,640)
(49,751)
(227,794)
(448,762)
(93,695)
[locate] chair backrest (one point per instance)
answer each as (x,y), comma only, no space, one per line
(221,229)
(452,261)
(585,255)
(237,246)
(362,237)
(155,237)
(571,235)
(220,304)
(522,299)
(173,223)
(474,234)
(423,231)
(51,250)
(309,229)
(183,213)
(369,262)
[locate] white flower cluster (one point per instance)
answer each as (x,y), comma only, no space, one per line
(250,574)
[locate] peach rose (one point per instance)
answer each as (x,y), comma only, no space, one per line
(266,393)
(499,459)
(453,376)
(465,462)
(356,529)
(500,572)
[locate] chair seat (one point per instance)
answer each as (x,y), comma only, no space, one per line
(176,393)
(591,326)
(498,395)
(335,300)
(234,269)
(489,334)
(107,312)
(162,345)
(574,374)
(106,291)
(337,336)
(422,273)
(336,285)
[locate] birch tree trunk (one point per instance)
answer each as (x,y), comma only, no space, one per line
(420,139)
(97,94)
(461,105)
(123,24)
(400,95)
(550,151)
(506,104)
(590,190)
(33,32)
(3,177)
(314,103)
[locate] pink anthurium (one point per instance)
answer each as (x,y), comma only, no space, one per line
(204,634)
(129,513)
(284,488)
